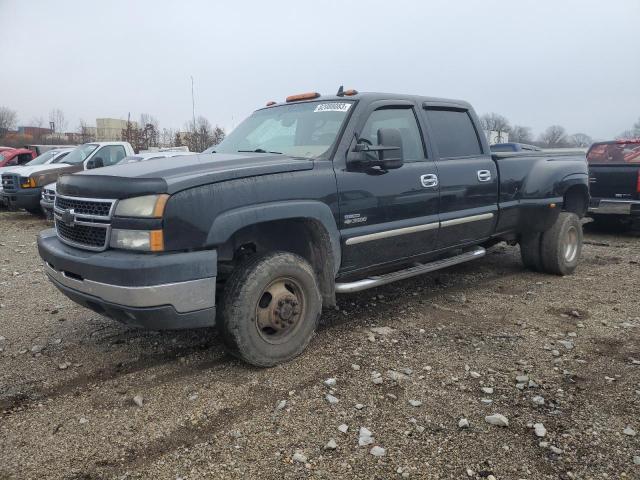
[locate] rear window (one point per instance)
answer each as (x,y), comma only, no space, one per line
(454,133)
(618,152)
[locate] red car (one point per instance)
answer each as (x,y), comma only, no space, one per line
(16,156)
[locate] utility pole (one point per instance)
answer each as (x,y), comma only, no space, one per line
(193,106)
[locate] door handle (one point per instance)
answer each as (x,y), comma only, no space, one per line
(429,181)
(484,175)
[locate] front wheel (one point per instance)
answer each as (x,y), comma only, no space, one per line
(270,308)
(561,245)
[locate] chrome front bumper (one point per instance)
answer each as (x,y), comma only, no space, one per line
(183,296)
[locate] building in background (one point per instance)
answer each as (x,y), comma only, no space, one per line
(35,132)
(110,129)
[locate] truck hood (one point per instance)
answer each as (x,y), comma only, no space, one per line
(173,174)
(28,171)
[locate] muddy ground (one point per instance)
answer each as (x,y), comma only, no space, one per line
(68,378)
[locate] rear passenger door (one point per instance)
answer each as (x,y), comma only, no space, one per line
(467,175)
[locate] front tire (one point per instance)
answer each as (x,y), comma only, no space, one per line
(270,308)
(561,245)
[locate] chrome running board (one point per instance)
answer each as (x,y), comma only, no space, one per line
(419,269)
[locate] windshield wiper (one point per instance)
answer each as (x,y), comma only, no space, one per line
(258,150)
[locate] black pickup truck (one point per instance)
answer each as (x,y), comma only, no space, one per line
(614,179)
(306,198)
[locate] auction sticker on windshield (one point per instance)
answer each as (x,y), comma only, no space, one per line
(333,107)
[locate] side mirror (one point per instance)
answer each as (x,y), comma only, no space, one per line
(386,155)
(391,140)
(95,162)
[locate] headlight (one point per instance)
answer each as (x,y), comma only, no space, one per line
(149,206)
(27,182)
(145,240)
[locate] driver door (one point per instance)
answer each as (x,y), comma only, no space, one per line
(388,215)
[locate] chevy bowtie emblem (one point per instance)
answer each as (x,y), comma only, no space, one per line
(69,217)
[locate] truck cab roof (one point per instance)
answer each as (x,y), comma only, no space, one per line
(376,96)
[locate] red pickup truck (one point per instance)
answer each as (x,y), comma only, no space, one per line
(614,181)
(14,157)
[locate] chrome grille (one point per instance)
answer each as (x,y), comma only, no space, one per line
(85,206)
(10,182)
(83,235)
(48,195)
(83,222)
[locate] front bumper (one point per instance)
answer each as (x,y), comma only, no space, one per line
(615,207)
(155,291)
(47,208)
(29,199)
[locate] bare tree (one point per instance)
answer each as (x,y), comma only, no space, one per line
(56,116)
(200,135)
(167,137)
(8,119)
(636,129)
(580,140)
(494,122)
(131,134)
(217,136)
(626,135)
(520,134)
(85,132)
(554,137)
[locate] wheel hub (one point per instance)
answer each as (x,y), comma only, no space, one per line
(279,309)
(570,244)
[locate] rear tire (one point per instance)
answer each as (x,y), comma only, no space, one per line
(561,245)
(270,308)
(530,251)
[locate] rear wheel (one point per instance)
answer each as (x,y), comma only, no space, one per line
(561,245)
(270,308)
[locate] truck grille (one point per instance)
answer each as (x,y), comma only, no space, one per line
(83,222)
(10,182)
(83,235)
(94,208)
(48,195)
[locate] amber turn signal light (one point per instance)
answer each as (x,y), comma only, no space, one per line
(156,241)
(302,96)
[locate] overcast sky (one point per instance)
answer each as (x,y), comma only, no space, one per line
(573,62)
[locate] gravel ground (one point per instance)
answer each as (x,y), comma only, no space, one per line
(82,397)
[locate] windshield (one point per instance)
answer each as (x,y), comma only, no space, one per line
(615,152)
(80,154)
(306,130)
(42,159)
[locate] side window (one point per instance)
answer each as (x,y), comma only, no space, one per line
(13,161)
(24,158)
(402,119)
(454,133)
(111,154)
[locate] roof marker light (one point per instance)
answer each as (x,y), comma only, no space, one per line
(302,96)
